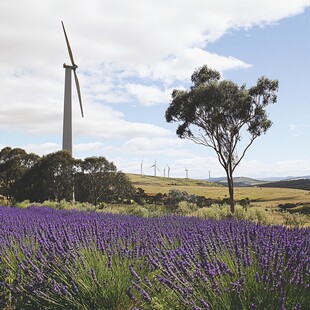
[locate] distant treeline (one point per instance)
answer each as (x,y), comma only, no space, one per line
(297,184)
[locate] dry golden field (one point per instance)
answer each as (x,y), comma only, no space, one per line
(265,197)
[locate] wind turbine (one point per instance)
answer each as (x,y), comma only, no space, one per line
(67,119)
(186,171)
(155,168)
(168,171)
(141,166)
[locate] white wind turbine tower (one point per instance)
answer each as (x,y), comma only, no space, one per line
(141,166)
(155,168)
(67,119)
(186,171)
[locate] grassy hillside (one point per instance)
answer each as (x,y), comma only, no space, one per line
(162,181)
(299,184)
(243,181)
(266,197)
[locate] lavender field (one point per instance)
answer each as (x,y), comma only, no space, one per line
(56,259)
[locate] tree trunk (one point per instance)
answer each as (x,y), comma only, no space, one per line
(230,182)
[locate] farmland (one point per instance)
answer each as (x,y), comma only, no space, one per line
(59,259)
(259,196)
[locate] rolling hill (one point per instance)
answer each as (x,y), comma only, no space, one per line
(294,183)
(241,182)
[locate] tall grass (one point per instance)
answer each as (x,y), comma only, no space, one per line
(259,215)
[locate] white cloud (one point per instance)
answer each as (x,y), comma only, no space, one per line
(144,145)
(125,49)
(148,95)
(299,129)
(181,66)
(199,167)
(138,36)
(105,122)
(298,126)
(88,147)
(42,149)
(281,168)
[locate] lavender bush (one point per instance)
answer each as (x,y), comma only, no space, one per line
(57,259)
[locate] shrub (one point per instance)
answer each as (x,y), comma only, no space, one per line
(216,212)
(175,196)
(185,208)
(240,213)
(257,215)
(294,219)
(137,210)
(24,204)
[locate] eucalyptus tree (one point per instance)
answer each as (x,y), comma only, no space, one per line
(94,179)
(14,162)
(215,113)
(50,178)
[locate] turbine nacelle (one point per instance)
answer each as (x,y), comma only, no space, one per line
(74,67)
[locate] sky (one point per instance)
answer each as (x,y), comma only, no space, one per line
(130,56)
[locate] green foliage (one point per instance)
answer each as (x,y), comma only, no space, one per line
(93,182)
(258,215)
(299,184)
(14,163)
(222,212)
(60,205)
(58,176)
(295,208)
(99,182)
(294,219)
(139,211)
(50,178)
(175,196)
(216,212)
(221,110)
(186,208)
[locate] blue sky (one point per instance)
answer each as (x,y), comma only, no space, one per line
(131,55)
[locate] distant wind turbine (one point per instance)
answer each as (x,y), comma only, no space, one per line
(186,171)
(141,166)
(155,168)
(67,119)
(168,171)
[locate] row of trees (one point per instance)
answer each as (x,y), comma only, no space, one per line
(58,176)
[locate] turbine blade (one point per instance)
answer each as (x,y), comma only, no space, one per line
(68,45)
(78,91)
